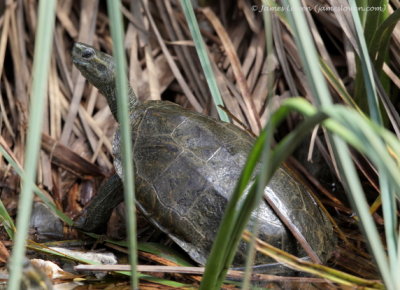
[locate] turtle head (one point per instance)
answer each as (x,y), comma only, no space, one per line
(99,69)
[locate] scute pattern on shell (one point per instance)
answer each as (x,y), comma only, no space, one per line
(186,168)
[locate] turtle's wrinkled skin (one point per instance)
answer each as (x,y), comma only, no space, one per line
(187,166)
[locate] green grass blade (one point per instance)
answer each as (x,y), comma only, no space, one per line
(203,57)
(245,208)
(380,42)
(367,142)
(349,175)
(153,248)
(397,278)
(345,279)
(360,204)
(373,17)
(390,217)
(308,52)
(238,213)
(363,12)
(42,55)
(218,259)
(270,162)
(376,150)
(338,85)
(42,248)
(6,221)
(36,189)
(269,44)
(126,141)
(215,264)
(366,65)
(360,132)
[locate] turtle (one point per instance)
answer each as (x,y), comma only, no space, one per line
(186,167)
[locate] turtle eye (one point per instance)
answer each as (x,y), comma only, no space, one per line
(88,52)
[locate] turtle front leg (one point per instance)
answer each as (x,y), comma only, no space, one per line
(94,217)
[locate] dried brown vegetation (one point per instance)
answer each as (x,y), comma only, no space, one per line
(163,64)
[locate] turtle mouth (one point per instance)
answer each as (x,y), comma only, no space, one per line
(78,61)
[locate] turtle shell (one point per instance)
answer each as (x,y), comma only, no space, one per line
(187,166)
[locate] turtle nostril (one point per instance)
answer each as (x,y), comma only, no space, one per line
(87,53)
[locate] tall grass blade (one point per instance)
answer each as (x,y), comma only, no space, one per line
(267,17)
(117,34)
(238,213)
(346,123)
(373,17)
(346,166)
(366,66)
(216,268)
(346,280)
(6,221)
(203,56)
(379,45)
(390,217)
(363,12)
(40,73)
(66,219)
